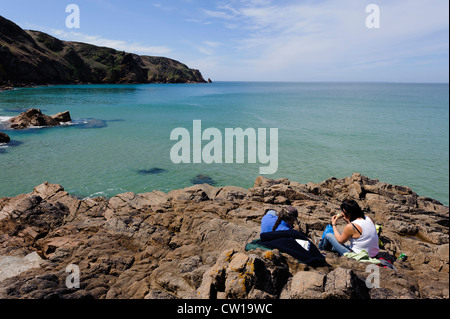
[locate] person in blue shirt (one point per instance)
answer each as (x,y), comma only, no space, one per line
(284,220)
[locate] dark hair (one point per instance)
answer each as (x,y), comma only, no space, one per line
(352,208)
(286,214)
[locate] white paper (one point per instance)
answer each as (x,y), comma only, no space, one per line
(304,243)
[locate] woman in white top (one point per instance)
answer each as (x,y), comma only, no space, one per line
(360,230)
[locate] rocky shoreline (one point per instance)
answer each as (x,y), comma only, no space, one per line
(6,88)
(190,243)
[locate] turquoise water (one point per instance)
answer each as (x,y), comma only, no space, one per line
(397,133)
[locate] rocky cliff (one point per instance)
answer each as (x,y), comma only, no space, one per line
(190,243)
(36,58)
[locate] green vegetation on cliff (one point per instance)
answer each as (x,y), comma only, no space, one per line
(33,57)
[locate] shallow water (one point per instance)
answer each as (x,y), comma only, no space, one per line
(397,133)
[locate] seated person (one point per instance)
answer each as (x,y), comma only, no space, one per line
(284,220)
(278,232)
(360,230)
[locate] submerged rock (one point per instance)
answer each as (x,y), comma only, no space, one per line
(7,146)
(152,171)
(90,123)
(190,243)
(202,179)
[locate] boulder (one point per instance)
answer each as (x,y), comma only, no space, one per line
(305,285)
(232,193)
(12,266)
(196,193)
(62,117)
(344,284)
(238,275)
(34,117)
(4,138)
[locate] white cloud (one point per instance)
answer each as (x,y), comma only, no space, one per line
(305,39)
(218,14)
(212,44)
(119,45)
(204,47)
(163,7)
(296,40)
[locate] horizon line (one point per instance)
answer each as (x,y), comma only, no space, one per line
(327,81)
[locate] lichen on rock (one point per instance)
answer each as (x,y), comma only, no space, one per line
(190,243)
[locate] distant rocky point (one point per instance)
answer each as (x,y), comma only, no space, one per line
(191,243)
(34,117)
(30,58)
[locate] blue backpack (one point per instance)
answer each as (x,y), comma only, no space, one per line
(328,229)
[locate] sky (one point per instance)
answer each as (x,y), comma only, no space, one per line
(262,40)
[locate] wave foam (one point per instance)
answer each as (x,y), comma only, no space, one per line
(5,118)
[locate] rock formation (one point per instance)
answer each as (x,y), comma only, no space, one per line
(62,117)
(34,117)
(36,58)
(4,138)
(190,243)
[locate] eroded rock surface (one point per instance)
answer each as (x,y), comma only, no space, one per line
(35,118)
(190,243)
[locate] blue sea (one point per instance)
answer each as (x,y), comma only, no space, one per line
(119,140)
